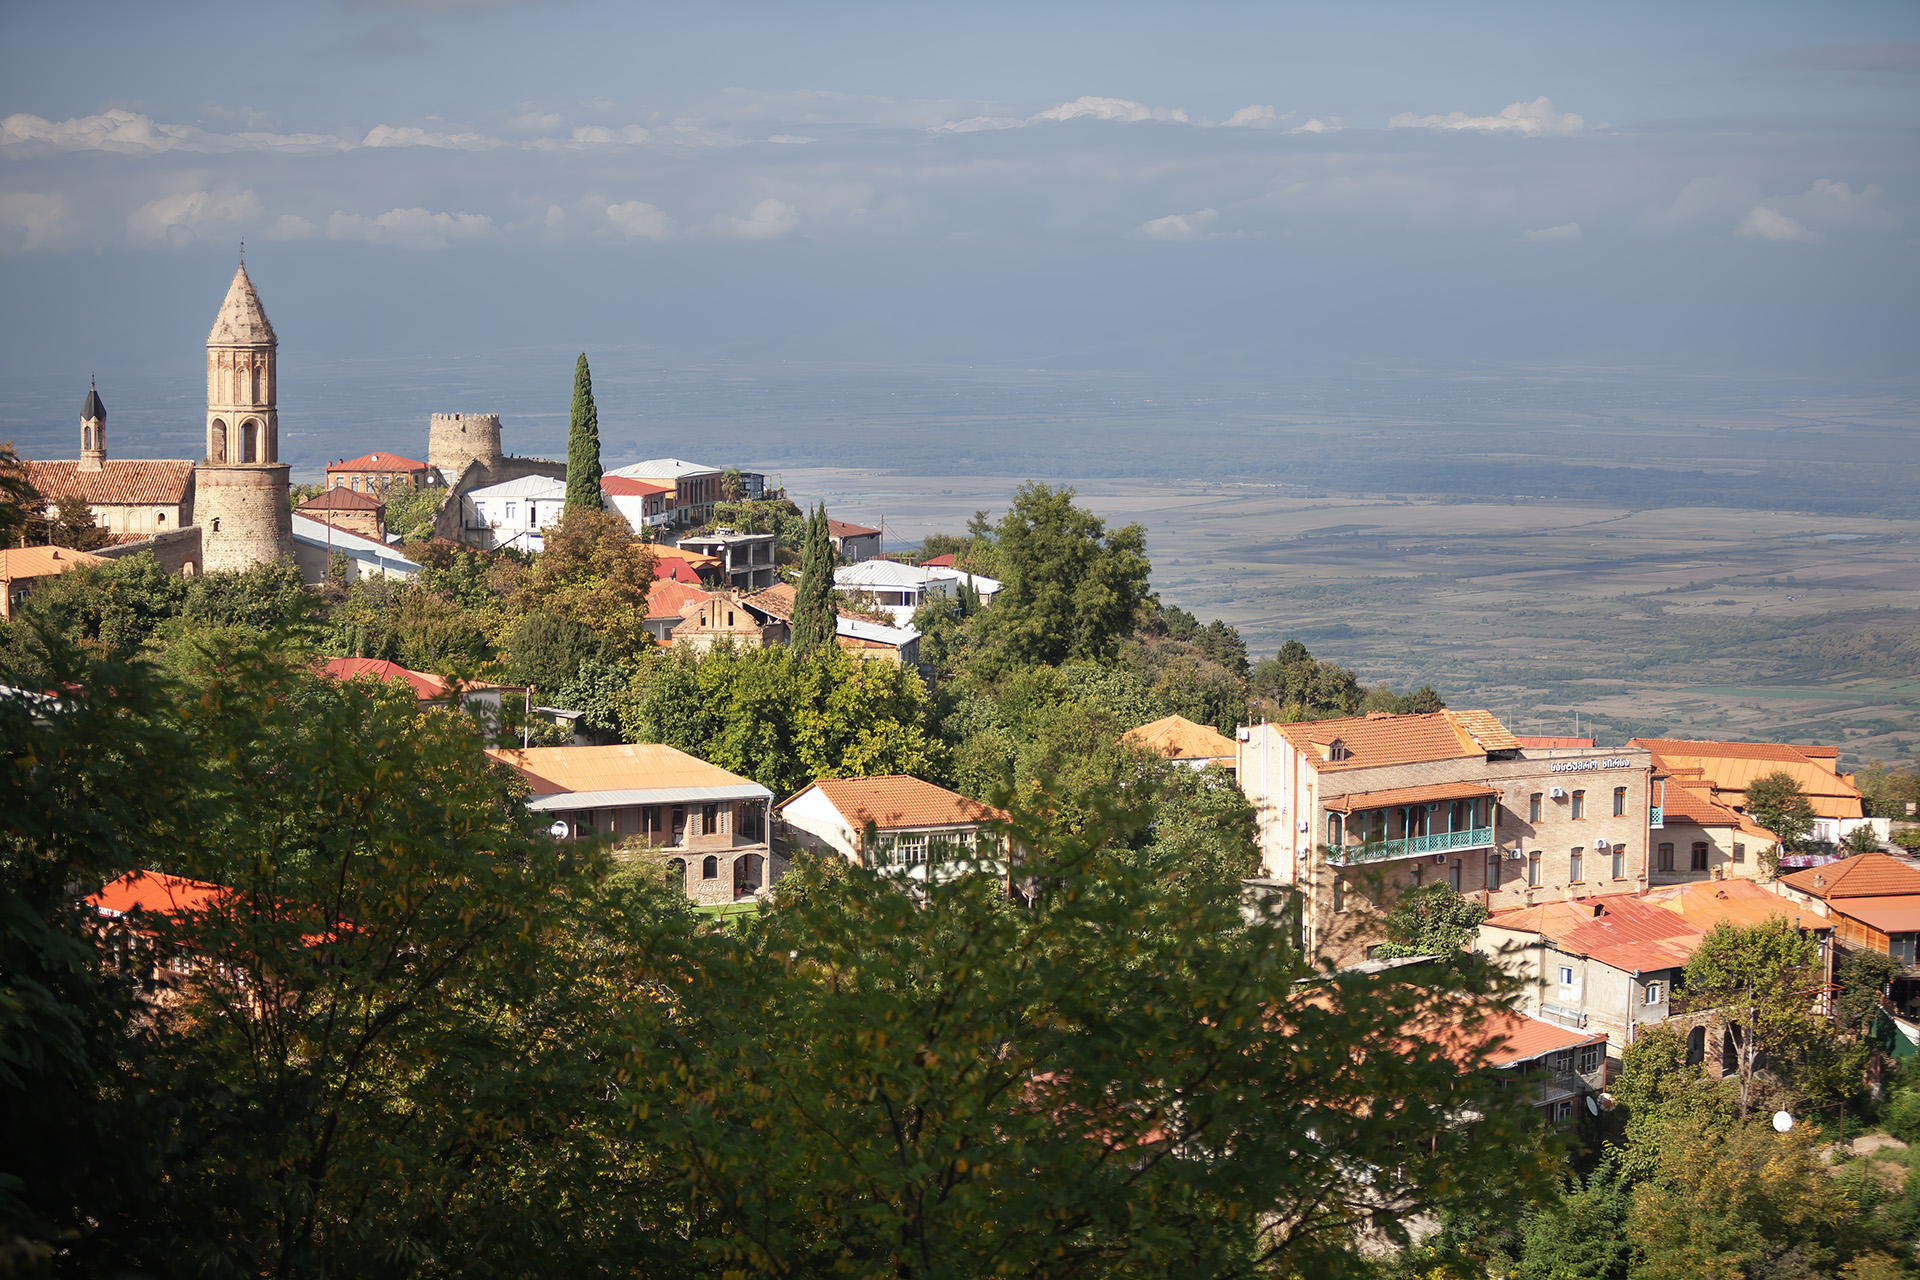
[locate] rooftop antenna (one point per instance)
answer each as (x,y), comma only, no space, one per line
(243,251)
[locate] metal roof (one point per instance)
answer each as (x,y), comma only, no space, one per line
(569,800)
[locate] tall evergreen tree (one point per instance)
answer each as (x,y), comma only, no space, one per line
(815,607)
(583,442)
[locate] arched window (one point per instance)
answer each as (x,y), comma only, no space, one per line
(250,441)
(257,371)
(677,871)
(1696,1046)
(710,868)
(217,442)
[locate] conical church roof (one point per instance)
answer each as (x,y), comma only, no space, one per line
(242,321)
(91,408)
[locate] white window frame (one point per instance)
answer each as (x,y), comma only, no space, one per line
(1656,993)
(1566,975)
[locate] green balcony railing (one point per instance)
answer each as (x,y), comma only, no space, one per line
(1656,816)
(1412,847)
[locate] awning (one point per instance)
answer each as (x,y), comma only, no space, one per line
(569,800)
(1888,915)
(1412,795)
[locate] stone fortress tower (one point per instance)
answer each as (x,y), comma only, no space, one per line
(93,432)
(456,439)
(240,500)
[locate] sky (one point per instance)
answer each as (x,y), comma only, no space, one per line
(1181,192)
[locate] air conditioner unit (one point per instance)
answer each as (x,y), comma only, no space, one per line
(1514,855)
(1439,857)
(1557,793)
(1601,845)
(1305,825)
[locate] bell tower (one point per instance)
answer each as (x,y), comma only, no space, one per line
(240,488)
(93,431)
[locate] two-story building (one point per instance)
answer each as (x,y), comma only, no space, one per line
(349,509)
(707,828)
(1355,811)
(513,513)
(1873,902)
(24,568)
(900,589)
(746,559)
(376,473)
(853,542)
(1700,836)
(895,823)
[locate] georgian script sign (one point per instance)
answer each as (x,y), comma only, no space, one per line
(1582,766)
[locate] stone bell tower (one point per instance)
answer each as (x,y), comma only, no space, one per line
(240,500)
(93,432)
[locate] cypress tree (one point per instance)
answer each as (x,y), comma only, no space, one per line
(815,605)
(583,443)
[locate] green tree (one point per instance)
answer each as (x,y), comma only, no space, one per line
(594,573)
(1069,588)
(547,652)
(1778,803)
(411,511)
(1430,920)
(583,443)
(108,610)
(816,603)
(1582,1235)
(19,500)
(1861,977)
(67,522)
(1760,981)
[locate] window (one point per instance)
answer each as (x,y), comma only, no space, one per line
(1566,975)
(1563,1110)
(1533,869)
(907,851)
(511,510)
(1419,873)
(1900,946)
(677,871)
(1493,873)
(1699,855)
(1739,852)
(679,824)
(1619,862)
(1654,994)
(1333,829)
(1339,894)
(1576,866)
(1533,807)
(709,819)
(1579,806)
(1619,802)
(1563,1061)
(1664,859)
(1453,876)
(160,517)
(710,868)
(650,820)
(1589,1059)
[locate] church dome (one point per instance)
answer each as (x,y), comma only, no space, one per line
(92,408)
(242,321)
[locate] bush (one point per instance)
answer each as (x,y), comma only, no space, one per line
(1901,1115)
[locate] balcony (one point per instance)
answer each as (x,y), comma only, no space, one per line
(1656,817)
(1348,855)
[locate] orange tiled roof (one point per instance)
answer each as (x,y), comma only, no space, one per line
(631,767)
(898,802)
(1411,795)
(628,487)
(1383,739)
(42,562)
(341,498)
(1898,914)
(154,892)
(1733,766)
(1179,738)
(1484,729)
(776,600)
(131,482)
(1866,875)
(1706,903)
(841,529)
(663,552)
(378,462)
(1695,803)
(426,686)
(1542,744)
(1616,929)
(1506,1037)
(672,599)
(938,562)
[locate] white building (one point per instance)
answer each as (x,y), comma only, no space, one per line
(900,589)
(915,825)
(314,544)
(513,513)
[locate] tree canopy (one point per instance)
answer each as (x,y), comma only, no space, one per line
(1069,588)
(583,443)
(1777,802)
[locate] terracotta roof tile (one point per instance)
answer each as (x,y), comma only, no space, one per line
(130,482)
(841,529)
(630,767)
(379,462)
(1899,914)
(41,562)
(341,498)
(426,686)
(1866,875)
(938,562)
(1733,766)
(776,601)
(154,892)
(628,487)
(1506,1038)
(1541,744)
(1484,729)
(671,599)
(1382,739)
(898,802)
(1179,738)
(1706,903)
(1411,795)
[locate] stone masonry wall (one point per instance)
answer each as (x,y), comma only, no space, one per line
(243,515)
(176,550)
(455,439)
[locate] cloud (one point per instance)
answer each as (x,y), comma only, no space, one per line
(290,226)
(1317,125)
(1532,119)
(975,124)
(1547,235)
(178,219)
(386,135)
(1181,226)
(636,220)
(792,139)
(1770,224)
(1108,109)
(411,228)
(32,219)
(769,220)
(390,39)
(1886,57)
(133,134)
(1253,115)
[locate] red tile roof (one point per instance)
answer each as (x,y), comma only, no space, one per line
(671,599)
(673,571)
(426,686)
(42,562)
(641,766)
(628,487)
(1889,915)
(143,482)
(898,802)
(341,498)
(1866,875)
(1508,1038)
(1411,795)
(1659,931)
(1179,738)
(1383,739)
(378,462)
(1733,766)
(841,529)
(154,892)
(938,562)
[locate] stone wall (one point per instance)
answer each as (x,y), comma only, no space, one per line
(243,515)
(177,550)
(455,439)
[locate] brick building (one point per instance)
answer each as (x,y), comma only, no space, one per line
(376,473)
(349,509)
(1353,812)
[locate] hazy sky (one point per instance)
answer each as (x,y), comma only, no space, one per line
(1172,188)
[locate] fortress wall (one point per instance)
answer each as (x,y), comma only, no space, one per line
(243,515)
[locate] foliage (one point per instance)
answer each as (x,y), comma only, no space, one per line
(1888,789)
(594,690)
(583,444)
(1861,839)
(547,652)
(1069,588)
(109,610)
(1202,826)
(1582,1235)
(269,597)
(1760,981)
(595,574)
(1123,1078)
(1777,803)
(816,602)
(19,500)
(411,511)
(1861,976)
(66,522)
(1430,920)
(1740,1201)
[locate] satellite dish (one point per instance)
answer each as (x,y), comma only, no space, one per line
(1592,1106)
(1782,1122)
(558,831)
